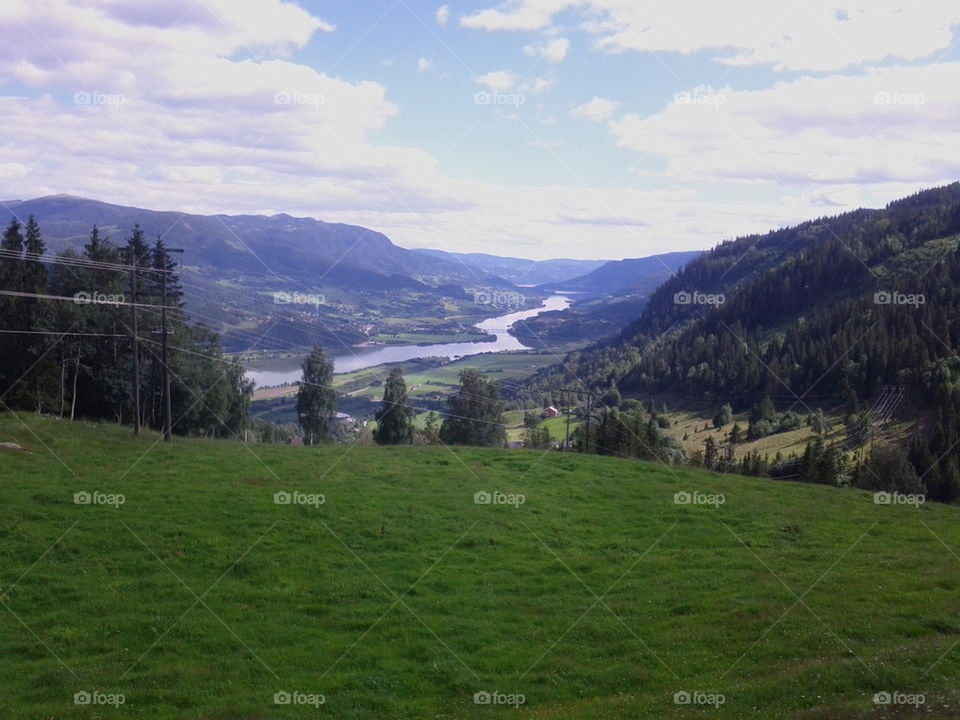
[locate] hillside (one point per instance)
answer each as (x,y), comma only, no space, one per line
(606,299)
(280,247)
(520,271)
(235,264)
(635,276)
(822,314)
(597,597)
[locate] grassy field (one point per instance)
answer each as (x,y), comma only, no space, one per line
(691,429)
(513,419)
(398,596)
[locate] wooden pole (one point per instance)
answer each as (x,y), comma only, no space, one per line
(136,345)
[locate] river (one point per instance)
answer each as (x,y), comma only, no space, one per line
(288,370)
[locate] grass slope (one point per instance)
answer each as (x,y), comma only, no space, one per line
(399,597)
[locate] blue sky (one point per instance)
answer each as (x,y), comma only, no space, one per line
(437,109)
(620,129)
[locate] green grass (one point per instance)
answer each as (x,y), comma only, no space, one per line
(401,598)
(556,426)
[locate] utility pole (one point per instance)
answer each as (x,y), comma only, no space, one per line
(589,409)
(136,345)
(167,413)
(566,445)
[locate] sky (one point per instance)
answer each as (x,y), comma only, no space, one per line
(531,128)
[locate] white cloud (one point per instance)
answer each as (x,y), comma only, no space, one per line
(598,110)
(516,15)
(553,51)
(537,86)
(424,65)
(443,15)
(892,125)
(811,35)
(500,81)
(497,81)
(216,117)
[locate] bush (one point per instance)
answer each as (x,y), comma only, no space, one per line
(888,469)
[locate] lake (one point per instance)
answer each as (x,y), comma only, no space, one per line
(288,370)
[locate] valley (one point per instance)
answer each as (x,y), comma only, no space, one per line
(493,360)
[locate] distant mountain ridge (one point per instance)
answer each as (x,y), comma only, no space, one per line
(520,271)
(282,247)
(630,275)
(236,266)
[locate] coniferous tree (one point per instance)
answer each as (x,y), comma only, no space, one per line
(37,315)
(709,453)
(12,344)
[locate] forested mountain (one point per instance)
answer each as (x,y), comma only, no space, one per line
(605,300)
(635,276)
(834,308)
(278,247)
(519,270)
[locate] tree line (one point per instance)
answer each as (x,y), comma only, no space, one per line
(837,307)
(474,413)
(66,337)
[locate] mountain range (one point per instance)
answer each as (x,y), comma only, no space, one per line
(235,265)
(520,271)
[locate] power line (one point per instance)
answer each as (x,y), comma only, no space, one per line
(62,334)
(227,361)
(75,300)
(75,261)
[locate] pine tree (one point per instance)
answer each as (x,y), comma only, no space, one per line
(736,434)
(37,315)
(12,346)
(34,273)
(709,453)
